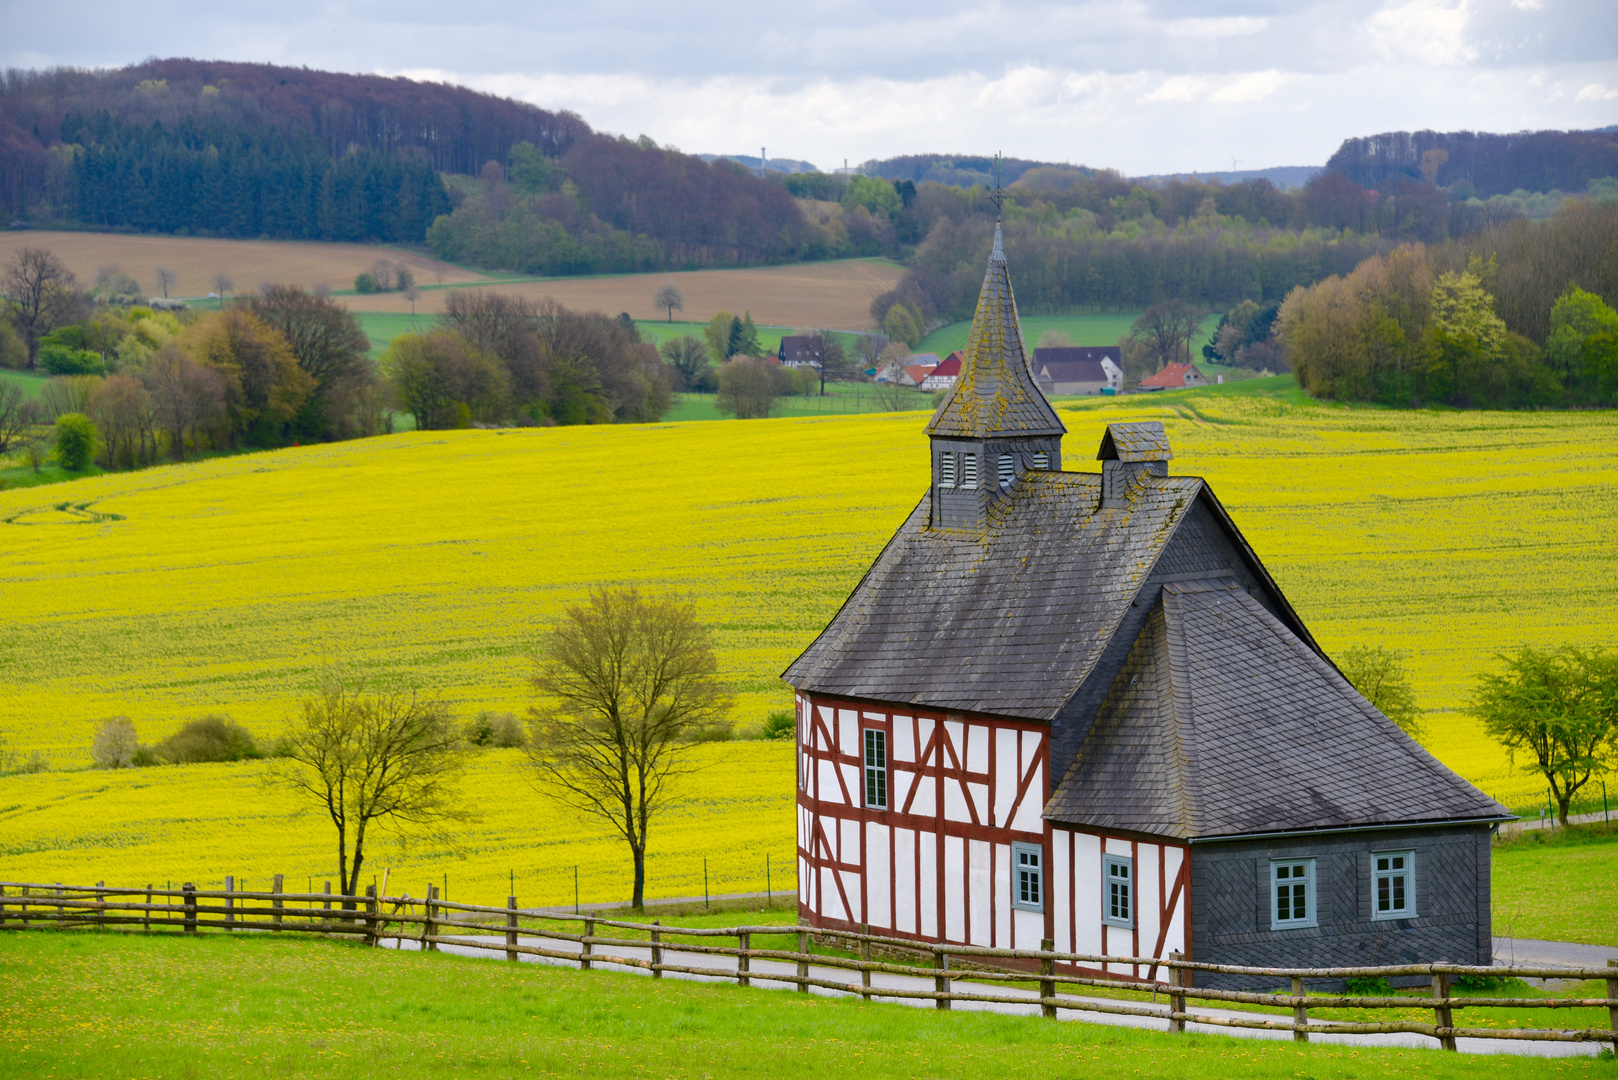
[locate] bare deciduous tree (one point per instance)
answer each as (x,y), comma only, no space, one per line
(165,278)
(670,298)
(185,396)
(18,415)
(222,283)
(412,294)
(388,758)
(114,744)
(627,684)
(40,290)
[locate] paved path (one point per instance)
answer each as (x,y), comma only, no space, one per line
(725,967)
(1529,952)
(1532,824)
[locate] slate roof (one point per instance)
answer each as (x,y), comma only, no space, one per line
(1007,622)
(995,395)
(1142,441)
(1223,723)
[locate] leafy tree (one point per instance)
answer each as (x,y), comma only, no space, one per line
(1580,346)
(264,385)
(1464,335)
(114,744)
(903,324)
(877,196)
(748,387)
(529,171)
(389,759)
(330,347)
(185,397)
(743,337)
(626,684)
(75,441)
(670,298)
(443,382)
(40,292)
(717,334)
(1560,706)
(1379,675)
(689,357)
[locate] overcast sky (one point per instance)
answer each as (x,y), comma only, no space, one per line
(1141,87)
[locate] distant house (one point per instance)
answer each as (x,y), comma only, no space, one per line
(1079,369)
(917,373)
(1174,377)
(911,372)
(944,375)
(800,350)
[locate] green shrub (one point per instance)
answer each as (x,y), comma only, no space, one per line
(75,441)
(779,725)
(1370,986)
(496,729)
(207,738)
(65,360)
(364,283)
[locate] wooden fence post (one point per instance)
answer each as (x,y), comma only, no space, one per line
(586,948)
(1612,1003)
(371,908)
(803,961)
(1176,1001)
(865,958)
(1441,1012)
(511,929)
(277,889)
(1300,1013)
(190,891)
(941,982)
(1047,987)
(328,898)
(657,950)
(230,902)
(744,963)
(146,916)
(431,924)
(101,905)
(2,905)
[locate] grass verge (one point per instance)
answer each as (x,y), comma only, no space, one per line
(1558,884)
(98,1005)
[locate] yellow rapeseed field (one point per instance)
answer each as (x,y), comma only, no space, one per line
(437,558)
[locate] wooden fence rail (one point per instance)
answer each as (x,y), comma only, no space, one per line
(36,906)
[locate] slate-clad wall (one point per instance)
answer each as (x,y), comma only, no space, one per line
(1230,904)
(963,508)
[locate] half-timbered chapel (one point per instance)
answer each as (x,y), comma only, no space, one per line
(1074,707)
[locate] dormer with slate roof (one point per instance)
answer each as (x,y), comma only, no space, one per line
(996,424)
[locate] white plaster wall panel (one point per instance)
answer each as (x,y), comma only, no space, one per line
(1061,889)
(954,889)
(1116,846)
(925,803)
(979,794)
(1028,929)
(851,885)
(828,727)
(1087,893)
(927,871)
(904,874)
(980,858)
(904,739)
(856,784)
(952,743)
(848,841)
(1148,900)
(977,748)
(878,875)
(1006,776)
(848,732)
(900,781)
(924,735)
(831,901)
(954,801)
(1004,888)
(830,790)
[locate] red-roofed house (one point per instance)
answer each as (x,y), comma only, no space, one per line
(944,375)
(1174,377)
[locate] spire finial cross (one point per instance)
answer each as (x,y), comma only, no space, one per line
(998,195)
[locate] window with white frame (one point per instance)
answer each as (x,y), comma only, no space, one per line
(1008,470)
(1027,877)
(946,468)
(1292,893)
(876,769)
(969,470)
(1118,891)
(1393,884)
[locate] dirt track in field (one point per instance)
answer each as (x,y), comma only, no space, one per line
(836,295)
(250,263)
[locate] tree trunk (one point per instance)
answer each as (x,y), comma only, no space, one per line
(639,901)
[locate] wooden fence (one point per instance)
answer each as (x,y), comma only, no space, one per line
(373,919)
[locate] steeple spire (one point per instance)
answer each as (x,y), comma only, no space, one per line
(995,395)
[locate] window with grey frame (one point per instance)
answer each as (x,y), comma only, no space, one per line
(1008,469)
(1027,877)
(1292,894)
(969,470)
(876,769)
(1041,460)
(1393,884)
(1118,891)
(946,468)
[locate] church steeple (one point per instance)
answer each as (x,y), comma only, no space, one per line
(996,423)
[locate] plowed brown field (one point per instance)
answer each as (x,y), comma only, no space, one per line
(837,295)
(250,263)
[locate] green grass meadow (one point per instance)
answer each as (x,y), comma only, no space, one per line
(1080,329)
(85,1004)
(1558,885)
